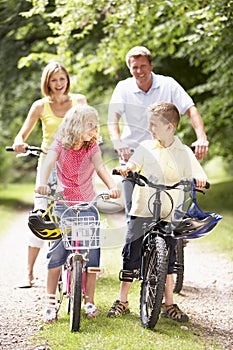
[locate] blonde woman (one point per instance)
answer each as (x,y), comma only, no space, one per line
(77,156)
(50,110)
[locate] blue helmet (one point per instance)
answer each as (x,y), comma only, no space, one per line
(194,223)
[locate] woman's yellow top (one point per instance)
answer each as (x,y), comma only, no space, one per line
(50,123)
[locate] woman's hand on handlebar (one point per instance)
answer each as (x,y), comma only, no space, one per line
(43,189)
(20,147)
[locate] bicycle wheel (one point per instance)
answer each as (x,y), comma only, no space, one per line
(75,299)
(179,267)
(153,283)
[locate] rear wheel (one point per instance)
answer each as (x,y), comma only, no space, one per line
(75,300)
(179,267)
(153,284)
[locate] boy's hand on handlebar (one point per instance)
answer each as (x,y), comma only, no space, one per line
(123,170)
(43,189)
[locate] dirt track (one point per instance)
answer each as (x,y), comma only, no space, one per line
(207,300)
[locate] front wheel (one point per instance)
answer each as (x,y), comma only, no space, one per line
(75,299)
(153,283)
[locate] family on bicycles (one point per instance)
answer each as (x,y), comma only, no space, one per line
(151,105)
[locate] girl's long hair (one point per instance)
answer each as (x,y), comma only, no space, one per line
(73,126)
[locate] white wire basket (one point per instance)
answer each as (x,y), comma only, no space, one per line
(81,233)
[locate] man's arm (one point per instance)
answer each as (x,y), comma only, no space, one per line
(201,145)
(115,135)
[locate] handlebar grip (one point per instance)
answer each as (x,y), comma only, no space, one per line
(115,172)
(207,185)
(9,149)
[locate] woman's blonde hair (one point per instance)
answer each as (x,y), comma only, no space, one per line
(52,67)
(73,126)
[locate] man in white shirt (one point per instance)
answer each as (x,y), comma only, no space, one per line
(133,96)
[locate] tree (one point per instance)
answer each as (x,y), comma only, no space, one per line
(93,36)
(18,87)
(190,41)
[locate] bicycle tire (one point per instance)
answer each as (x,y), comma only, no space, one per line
(179,267)
(75,299)
(153,283)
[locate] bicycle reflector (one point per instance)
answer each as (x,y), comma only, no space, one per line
(42,226)
(195,223)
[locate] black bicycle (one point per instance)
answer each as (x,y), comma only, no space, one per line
(186,224)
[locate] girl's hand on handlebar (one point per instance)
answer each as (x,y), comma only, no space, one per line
(114,193)
(43,189)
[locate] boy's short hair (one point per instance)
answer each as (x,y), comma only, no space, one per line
(137,51)
(167,111)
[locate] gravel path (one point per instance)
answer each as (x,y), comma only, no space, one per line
(207,294)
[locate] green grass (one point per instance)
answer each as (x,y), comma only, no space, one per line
(120,333)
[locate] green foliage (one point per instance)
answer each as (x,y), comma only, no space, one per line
(12,201)
(89,36)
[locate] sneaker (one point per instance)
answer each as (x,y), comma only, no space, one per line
(118,308)
(51,309)
(174,312)
(50,315)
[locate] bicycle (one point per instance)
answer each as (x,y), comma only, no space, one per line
(79,228)
(155,250)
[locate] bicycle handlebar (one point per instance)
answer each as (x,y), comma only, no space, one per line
(59,198)
(28,148)
(141,180)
